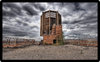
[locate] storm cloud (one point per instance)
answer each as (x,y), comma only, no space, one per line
(22,19)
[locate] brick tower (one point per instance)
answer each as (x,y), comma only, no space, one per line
(51,28)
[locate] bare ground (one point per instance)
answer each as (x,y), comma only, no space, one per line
(48,52)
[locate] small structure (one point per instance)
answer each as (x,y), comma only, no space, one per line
(51,27)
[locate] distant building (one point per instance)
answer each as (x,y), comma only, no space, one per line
(51,27)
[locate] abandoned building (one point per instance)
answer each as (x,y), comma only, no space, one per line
(51,27)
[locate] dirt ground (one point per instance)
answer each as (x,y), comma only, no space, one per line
(49,52)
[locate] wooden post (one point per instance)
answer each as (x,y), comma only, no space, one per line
(42,22)
(41,29)
(57,19)
(49,22)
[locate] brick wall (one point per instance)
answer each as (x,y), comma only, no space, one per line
(48,39)
(59,30)
(56,31)
(83,42)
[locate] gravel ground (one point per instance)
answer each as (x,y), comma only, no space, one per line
(48,52)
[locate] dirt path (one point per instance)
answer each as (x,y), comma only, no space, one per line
(65,52)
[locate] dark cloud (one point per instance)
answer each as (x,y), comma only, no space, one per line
(13,9)
(11,5)
(19,22)
(14,32)
(90,27)
(72,27)
(90,19)
(34,27)
(25,24)
(10,14)
(65,22)
(38,6)
(76,21)
(30,10)
(77,7)
(79,19)
(18,33)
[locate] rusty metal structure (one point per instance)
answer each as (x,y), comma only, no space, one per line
(51,27)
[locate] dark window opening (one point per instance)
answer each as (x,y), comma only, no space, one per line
(54,41)
(53,21)
(60,22)
(44,32)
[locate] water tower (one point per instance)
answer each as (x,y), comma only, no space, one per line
(51,27)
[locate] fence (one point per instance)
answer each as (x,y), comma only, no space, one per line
(17,42)
(82,42)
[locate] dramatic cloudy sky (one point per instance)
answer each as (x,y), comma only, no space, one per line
(79,20)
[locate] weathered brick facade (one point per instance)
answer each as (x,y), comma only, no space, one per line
(51,28)
(56,32)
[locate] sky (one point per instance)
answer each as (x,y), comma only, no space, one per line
(22,19)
